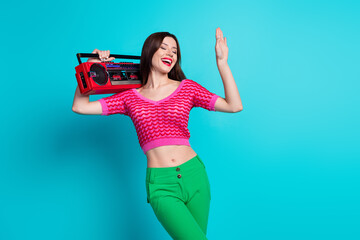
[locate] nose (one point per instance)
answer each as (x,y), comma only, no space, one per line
(169,52)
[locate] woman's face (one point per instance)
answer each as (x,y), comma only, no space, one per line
(165,57)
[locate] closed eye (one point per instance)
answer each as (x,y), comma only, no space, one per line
(165,49)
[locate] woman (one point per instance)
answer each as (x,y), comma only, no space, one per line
(177,184)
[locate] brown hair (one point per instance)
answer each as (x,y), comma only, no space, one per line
(151,45)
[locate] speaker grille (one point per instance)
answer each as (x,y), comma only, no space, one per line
(99,74)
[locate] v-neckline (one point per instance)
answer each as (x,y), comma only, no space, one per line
(161,100)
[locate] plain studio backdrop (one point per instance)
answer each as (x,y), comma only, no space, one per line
(286,167)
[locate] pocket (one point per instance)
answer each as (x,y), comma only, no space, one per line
(155,191)
(200,161)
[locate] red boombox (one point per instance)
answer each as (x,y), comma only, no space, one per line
(107,77)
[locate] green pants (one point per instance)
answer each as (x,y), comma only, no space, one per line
(180,197)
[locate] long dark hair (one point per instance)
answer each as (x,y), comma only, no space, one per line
(151,45)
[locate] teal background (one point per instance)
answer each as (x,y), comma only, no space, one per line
(286,167)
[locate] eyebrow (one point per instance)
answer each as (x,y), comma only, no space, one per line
(168,45)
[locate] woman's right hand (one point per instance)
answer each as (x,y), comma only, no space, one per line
(103,56)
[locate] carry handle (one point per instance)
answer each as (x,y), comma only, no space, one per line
(94,55)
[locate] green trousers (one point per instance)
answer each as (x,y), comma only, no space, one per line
(180,197)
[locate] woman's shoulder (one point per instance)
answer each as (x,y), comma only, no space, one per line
(188,81)
(123,92)
(191,82)
(179,81)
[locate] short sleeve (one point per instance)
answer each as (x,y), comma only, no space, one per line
(202,97)
(114,104)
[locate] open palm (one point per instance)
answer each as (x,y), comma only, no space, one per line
(221,48)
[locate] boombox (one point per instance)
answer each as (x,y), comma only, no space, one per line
(107,77)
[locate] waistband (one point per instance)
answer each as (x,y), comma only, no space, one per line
(170,174)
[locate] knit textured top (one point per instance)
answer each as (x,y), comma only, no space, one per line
(162,122)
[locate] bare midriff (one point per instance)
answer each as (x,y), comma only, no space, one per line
(169,156)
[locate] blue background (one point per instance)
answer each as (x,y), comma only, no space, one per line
(286,167)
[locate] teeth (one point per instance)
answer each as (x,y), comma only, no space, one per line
(167,60)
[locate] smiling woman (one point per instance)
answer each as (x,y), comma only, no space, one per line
(157,46)
(177,184)
(165,54)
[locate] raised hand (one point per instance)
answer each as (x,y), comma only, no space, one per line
(221,48)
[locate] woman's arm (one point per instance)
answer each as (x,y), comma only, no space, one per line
(81,104)
(232,101)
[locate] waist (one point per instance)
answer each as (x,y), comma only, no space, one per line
(173,174)
(169,156)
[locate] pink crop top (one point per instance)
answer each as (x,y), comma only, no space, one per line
(163,122)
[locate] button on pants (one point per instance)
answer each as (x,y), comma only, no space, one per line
(180,197)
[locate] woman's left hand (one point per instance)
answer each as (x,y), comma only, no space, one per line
(221,48)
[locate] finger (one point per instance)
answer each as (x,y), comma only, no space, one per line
(221,34)
(219,41)
(217,35)
(225,41)
(107,53)
(103,54)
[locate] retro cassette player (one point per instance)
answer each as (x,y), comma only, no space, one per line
(107,77)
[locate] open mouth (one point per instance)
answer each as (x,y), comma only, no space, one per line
(167,61)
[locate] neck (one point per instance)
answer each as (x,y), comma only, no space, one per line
(156,80)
